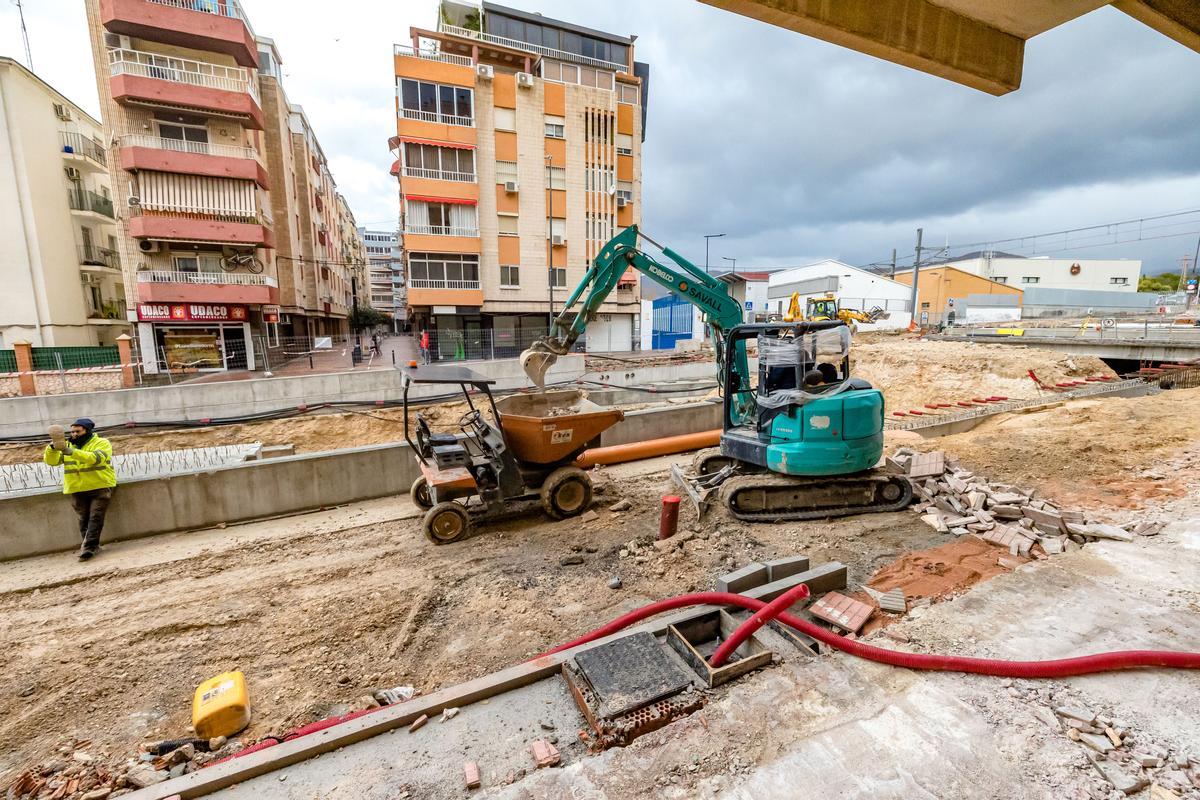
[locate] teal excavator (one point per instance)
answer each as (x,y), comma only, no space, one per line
(800,435)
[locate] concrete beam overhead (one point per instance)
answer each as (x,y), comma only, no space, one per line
(913,33)
(1176,19)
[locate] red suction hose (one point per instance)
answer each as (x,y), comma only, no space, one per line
(1056,668)
(761,617)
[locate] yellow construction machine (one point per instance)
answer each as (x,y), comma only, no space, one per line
(817,309)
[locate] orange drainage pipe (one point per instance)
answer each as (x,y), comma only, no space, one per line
(635,451)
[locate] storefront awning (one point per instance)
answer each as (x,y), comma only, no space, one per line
(436,143)
(426,199)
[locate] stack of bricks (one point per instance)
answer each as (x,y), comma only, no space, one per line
(958,502)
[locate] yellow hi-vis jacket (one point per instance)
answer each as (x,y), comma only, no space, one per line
(84,468)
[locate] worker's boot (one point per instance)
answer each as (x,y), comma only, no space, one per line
(87,552)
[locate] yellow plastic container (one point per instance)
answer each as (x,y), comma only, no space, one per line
(221,706)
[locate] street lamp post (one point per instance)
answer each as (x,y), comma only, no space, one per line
(708,236)
(733,261)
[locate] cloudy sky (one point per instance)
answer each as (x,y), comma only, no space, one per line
(797,149)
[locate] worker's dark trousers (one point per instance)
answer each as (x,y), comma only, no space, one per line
(90,507)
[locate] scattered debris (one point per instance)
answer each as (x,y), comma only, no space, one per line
(471,774)
(545,754)
(615,582)
(589,516)
(570,561)
(844,612)
(418,723)
(449,714)
(621,505)
(893,601)
(397,694)
(1121,780)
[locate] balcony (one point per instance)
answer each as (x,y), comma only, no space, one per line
(441,230)
(431,55)
(98,258)
(216,25)
(200,225)
(83,152)
(88,202)
(143,151)
(434,116)
(440,175)
(173,286)
(151,79)
(440,292)
(516,44)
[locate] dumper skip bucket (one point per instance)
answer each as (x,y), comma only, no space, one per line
(552,427)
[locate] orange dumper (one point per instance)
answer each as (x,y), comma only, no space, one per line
(519,459)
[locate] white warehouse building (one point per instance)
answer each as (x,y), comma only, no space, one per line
(854,288)
(1042,272)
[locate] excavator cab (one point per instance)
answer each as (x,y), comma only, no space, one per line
(821,308)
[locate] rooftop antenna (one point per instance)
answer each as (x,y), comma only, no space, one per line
(24,34)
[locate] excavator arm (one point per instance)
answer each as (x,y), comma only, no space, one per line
(684,279)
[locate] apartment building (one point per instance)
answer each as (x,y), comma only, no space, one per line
(386,271)
(519,142)
(225,209)
(61,274)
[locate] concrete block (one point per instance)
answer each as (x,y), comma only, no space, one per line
(277,450)
(1053,545)
(1102,531)
(1006,512)
(894,601)
(1121,780)
(748,577)
(1047,518)
(927,464)
(471,774)
(781,568)
(824,578)
(844,612)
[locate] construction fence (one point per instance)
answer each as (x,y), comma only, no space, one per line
(28,370)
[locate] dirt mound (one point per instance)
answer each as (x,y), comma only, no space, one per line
(912,372)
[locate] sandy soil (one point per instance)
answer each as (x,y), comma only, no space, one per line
(1105,452)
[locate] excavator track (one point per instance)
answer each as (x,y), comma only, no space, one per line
(767,497)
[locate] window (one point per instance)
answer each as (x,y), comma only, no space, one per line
(598,227)
(558,178)
(436,103)
(431,161)
(599,179)
(441,219)
(628,94)
(510,276)
(923,305)
(506,171)
(1000,278)
(556,127)
(442,270)
(558,227)
(559,72)
(507,224)
(194,135)
(506,119)
(186,263)
(1029,279)
(272,334)
(558,277)
(624,144)
(1119,281)
(625,189)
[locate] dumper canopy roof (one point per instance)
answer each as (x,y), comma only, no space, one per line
(446,374)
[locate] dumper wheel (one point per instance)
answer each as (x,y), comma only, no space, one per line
(420,494)
(567,492)
(446,523)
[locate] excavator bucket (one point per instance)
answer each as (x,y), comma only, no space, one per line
(536,363)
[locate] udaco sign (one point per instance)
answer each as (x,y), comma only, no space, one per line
(190,312)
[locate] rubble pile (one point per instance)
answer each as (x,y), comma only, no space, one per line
(78,774)
(956,501)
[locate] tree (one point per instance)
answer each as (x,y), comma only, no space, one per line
(365,317)
(1165,283)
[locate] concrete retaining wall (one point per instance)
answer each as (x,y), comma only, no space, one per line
(30,416)
(44,523)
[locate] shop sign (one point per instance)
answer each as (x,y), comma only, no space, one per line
(191,312)
(270,313)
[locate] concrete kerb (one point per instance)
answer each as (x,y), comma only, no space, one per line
(43,522)
(206,781)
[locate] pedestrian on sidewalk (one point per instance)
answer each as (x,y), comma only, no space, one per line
(88,477)
(425,346)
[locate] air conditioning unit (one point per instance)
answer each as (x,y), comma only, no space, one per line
(525,80)
(62,112)
(73,174)
(558,240)
(510,187)
(622,202)
(485,71)
(147,246)
(116,41)
(133,201)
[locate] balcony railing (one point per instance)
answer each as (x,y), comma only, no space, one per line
(206,278)
(210,213)
(550,52)
(85,200)
(221,8)
(440,175)
(198,148)
(433,116)
(431,55)
(430,283)
(77,144)
(94,256)
(440,230)
(182,70)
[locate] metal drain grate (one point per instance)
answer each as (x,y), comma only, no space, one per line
(630,673)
